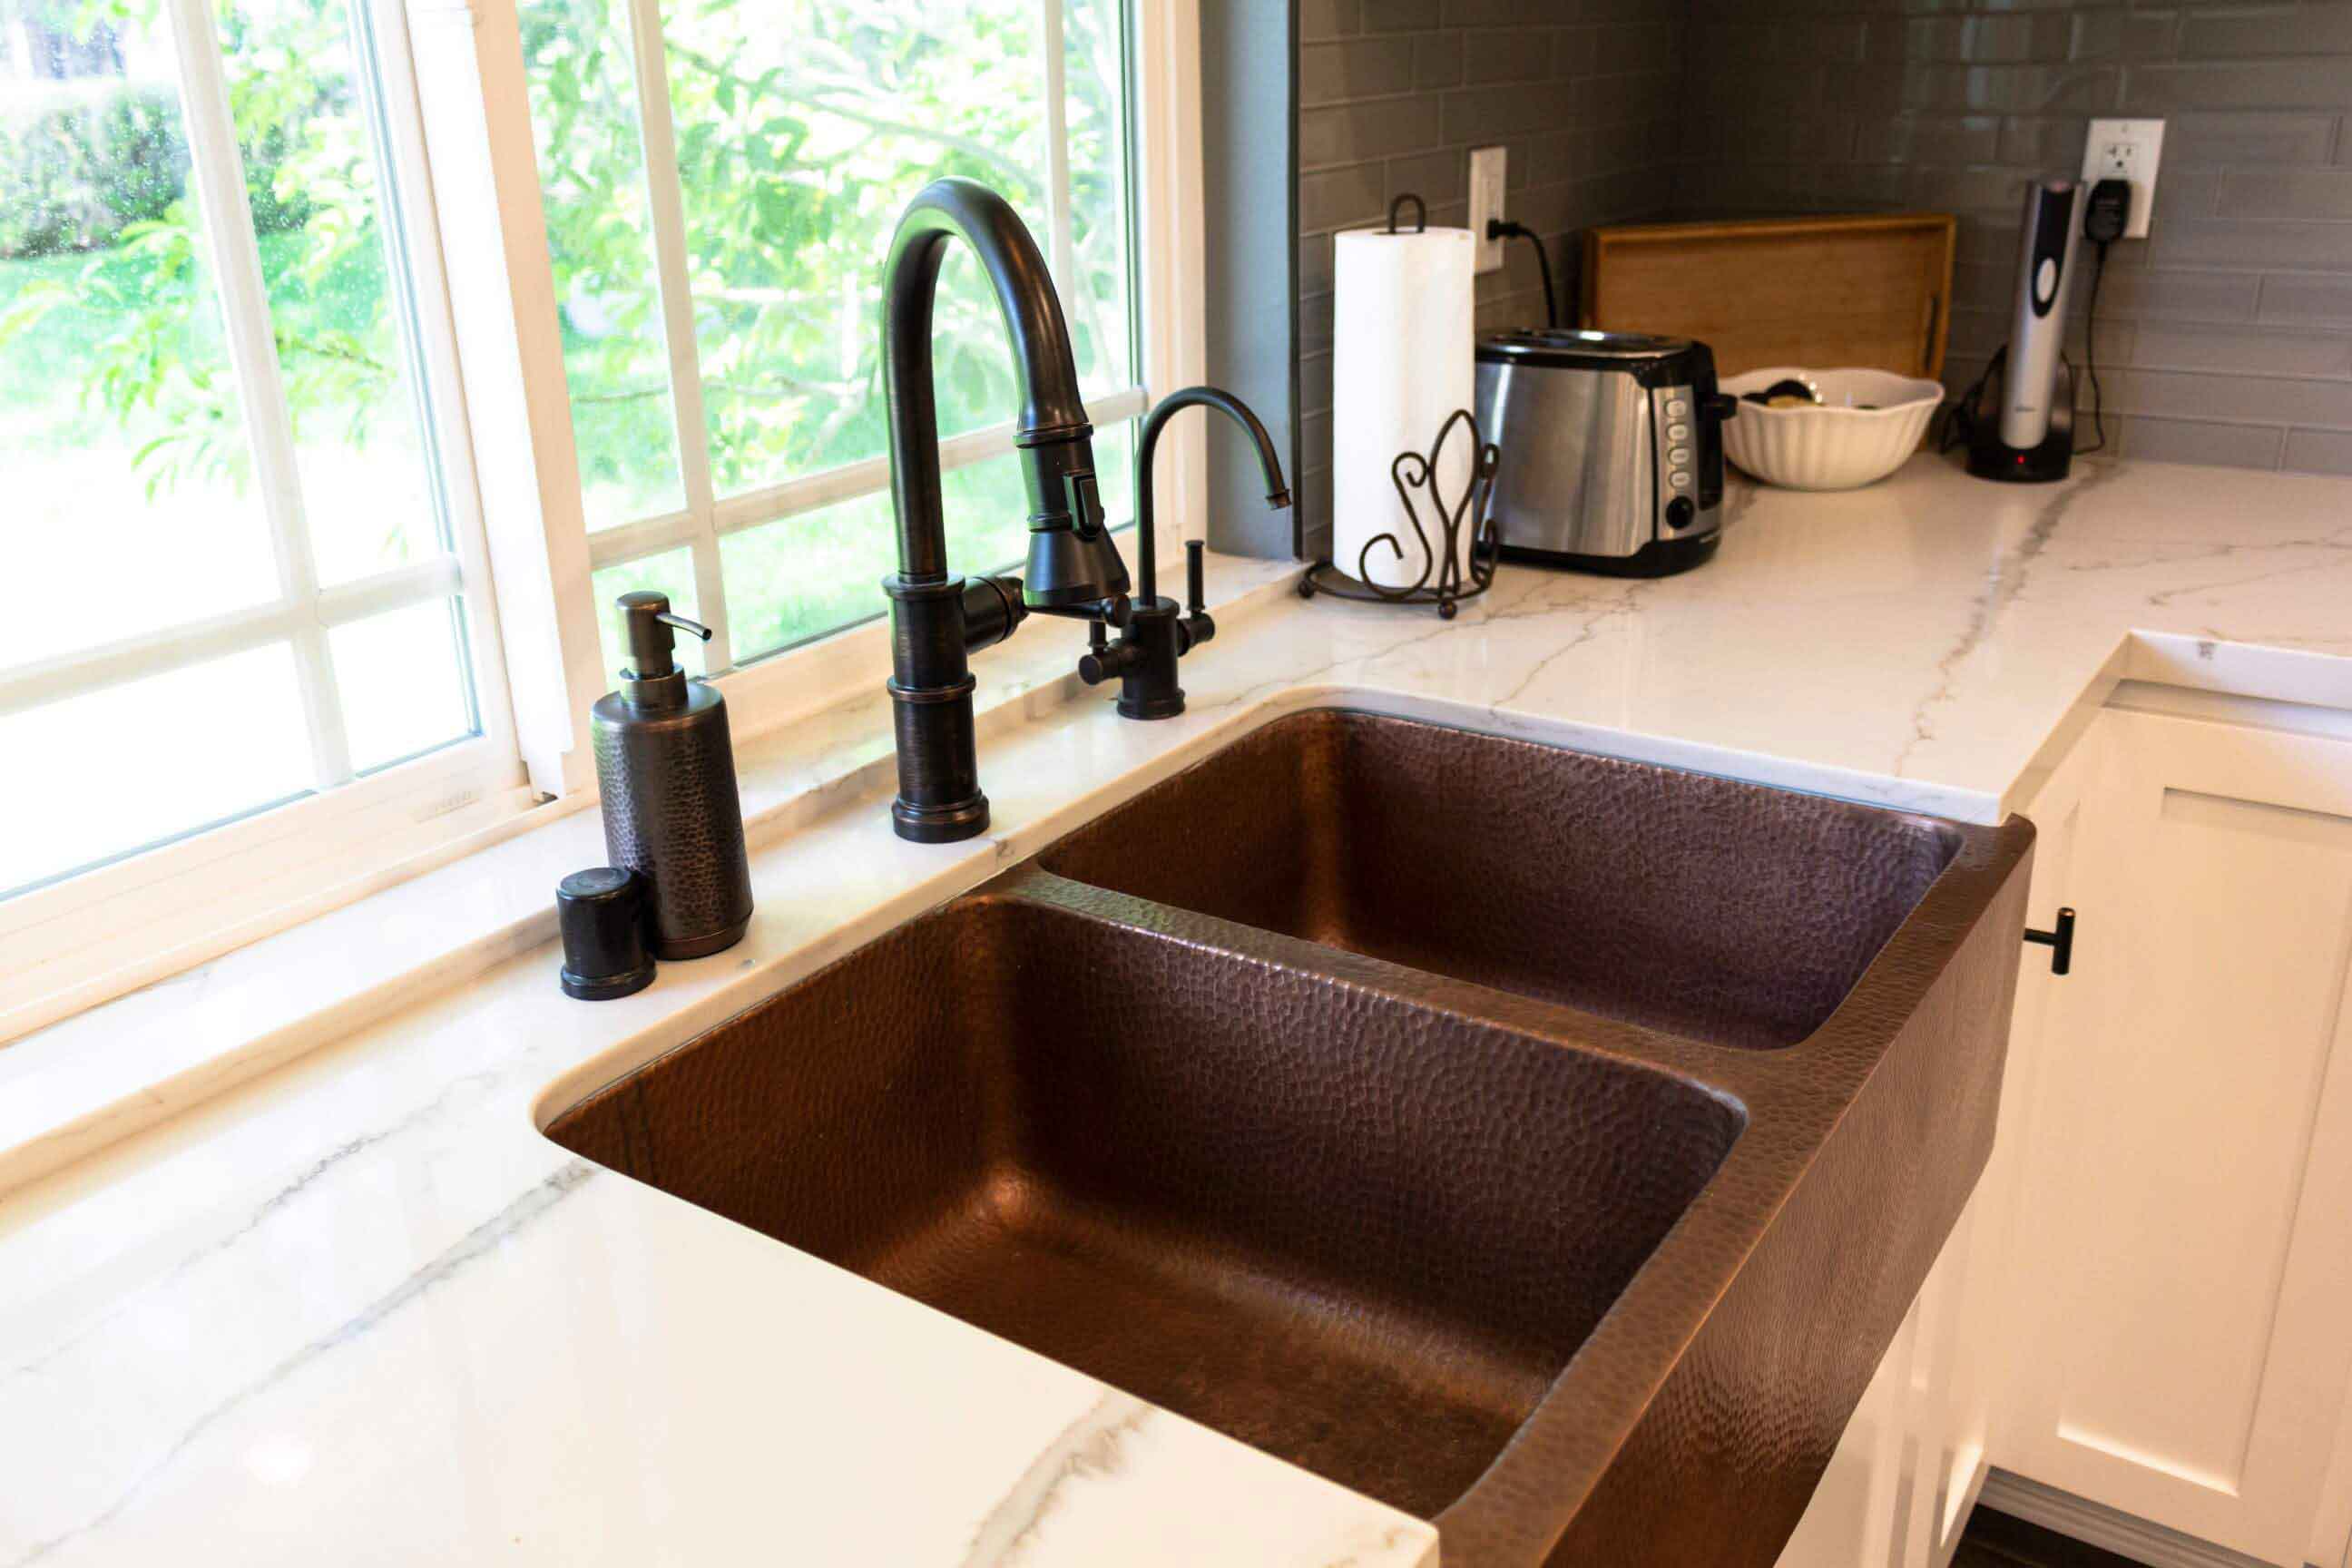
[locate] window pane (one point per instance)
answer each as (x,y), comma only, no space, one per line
(127,461)
(806,575)
(803,126)
(671,573)
(600,240)
(1096,301)
(313,180)
(134,764)
(403,676)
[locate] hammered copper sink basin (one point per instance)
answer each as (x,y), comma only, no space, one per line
(1709,908)
(1545,1144)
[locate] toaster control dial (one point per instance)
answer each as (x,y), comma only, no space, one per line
(1680,513)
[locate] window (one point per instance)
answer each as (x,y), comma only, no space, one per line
(239,574)
(258,477)
(720,183)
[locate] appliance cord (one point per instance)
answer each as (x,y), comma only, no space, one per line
(2091,353)
(1500,228)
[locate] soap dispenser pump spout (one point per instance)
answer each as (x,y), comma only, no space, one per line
(648,630)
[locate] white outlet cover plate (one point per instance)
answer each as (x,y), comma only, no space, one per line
(2130,148)
(1486,184)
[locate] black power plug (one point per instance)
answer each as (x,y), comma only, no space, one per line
(2109,212)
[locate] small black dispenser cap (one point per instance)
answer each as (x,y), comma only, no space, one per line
(648,630)
(601,913)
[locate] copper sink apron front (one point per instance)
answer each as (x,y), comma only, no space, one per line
(1569,1202)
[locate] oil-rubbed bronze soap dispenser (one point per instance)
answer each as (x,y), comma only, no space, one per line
(666,770)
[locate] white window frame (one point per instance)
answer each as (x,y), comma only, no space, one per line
(160,909)
(471,69)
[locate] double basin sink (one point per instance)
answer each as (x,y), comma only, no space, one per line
(1545,1144)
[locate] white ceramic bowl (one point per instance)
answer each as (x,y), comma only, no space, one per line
(1866,423)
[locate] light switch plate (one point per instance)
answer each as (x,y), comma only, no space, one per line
(1487,182)
(2125,149)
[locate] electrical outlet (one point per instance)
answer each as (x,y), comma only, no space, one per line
(1487,204)
(2127,150)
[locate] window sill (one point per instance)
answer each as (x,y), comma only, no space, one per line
(71,1088)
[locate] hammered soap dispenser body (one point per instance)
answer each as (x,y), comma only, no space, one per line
(666,768)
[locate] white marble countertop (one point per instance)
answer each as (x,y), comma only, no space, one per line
(360,1310)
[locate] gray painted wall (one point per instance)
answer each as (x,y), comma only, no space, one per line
(2225,337)
(1393,94)
(1249,284)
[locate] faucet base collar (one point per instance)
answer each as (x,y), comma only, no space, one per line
(1158,707)
(940,824)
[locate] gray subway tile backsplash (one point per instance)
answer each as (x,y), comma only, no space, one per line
(2307,298)
(2251,245)
(2236,33)
(1354,68)
(1400,15)
(1320,20)
(2198,441)
(2319,451)
(2163,345)
(1393,94)
(2320,83)
(2274,193)
(2253,138)
(2227,338)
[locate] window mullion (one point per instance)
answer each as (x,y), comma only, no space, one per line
(666,200)
(184,643)
(218,175)
(380,28)
(1057,145)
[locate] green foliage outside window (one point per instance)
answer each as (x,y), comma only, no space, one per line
(801,126)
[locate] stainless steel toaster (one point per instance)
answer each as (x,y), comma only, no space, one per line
(1611,448)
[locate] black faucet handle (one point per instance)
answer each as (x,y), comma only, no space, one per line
(1196,627)
(1106,660)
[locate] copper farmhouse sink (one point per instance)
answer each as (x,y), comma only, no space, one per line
(1546,1145)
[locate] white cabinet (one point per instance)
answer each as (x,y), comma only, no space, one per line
(2181,1268)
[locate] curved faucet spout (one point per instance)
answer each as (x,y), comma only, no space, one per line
(1277,495)
(1071,557)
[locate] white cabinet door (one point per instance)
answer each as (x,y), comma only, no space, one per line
(2182,1269)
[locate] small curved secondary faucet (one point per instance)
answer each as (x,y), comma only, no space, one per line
(1156,634)
(938,620)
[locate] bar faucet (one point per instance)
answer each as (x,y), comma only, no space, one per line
(938,620)
(1155,634)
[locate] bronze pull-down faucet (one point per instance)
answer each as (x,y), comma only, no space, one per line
(1074,568)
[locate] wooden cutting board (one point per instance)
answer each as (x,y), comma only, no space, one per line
(1822,292)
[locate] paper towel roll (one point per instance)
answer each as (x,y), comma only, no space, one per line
(1400,362)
